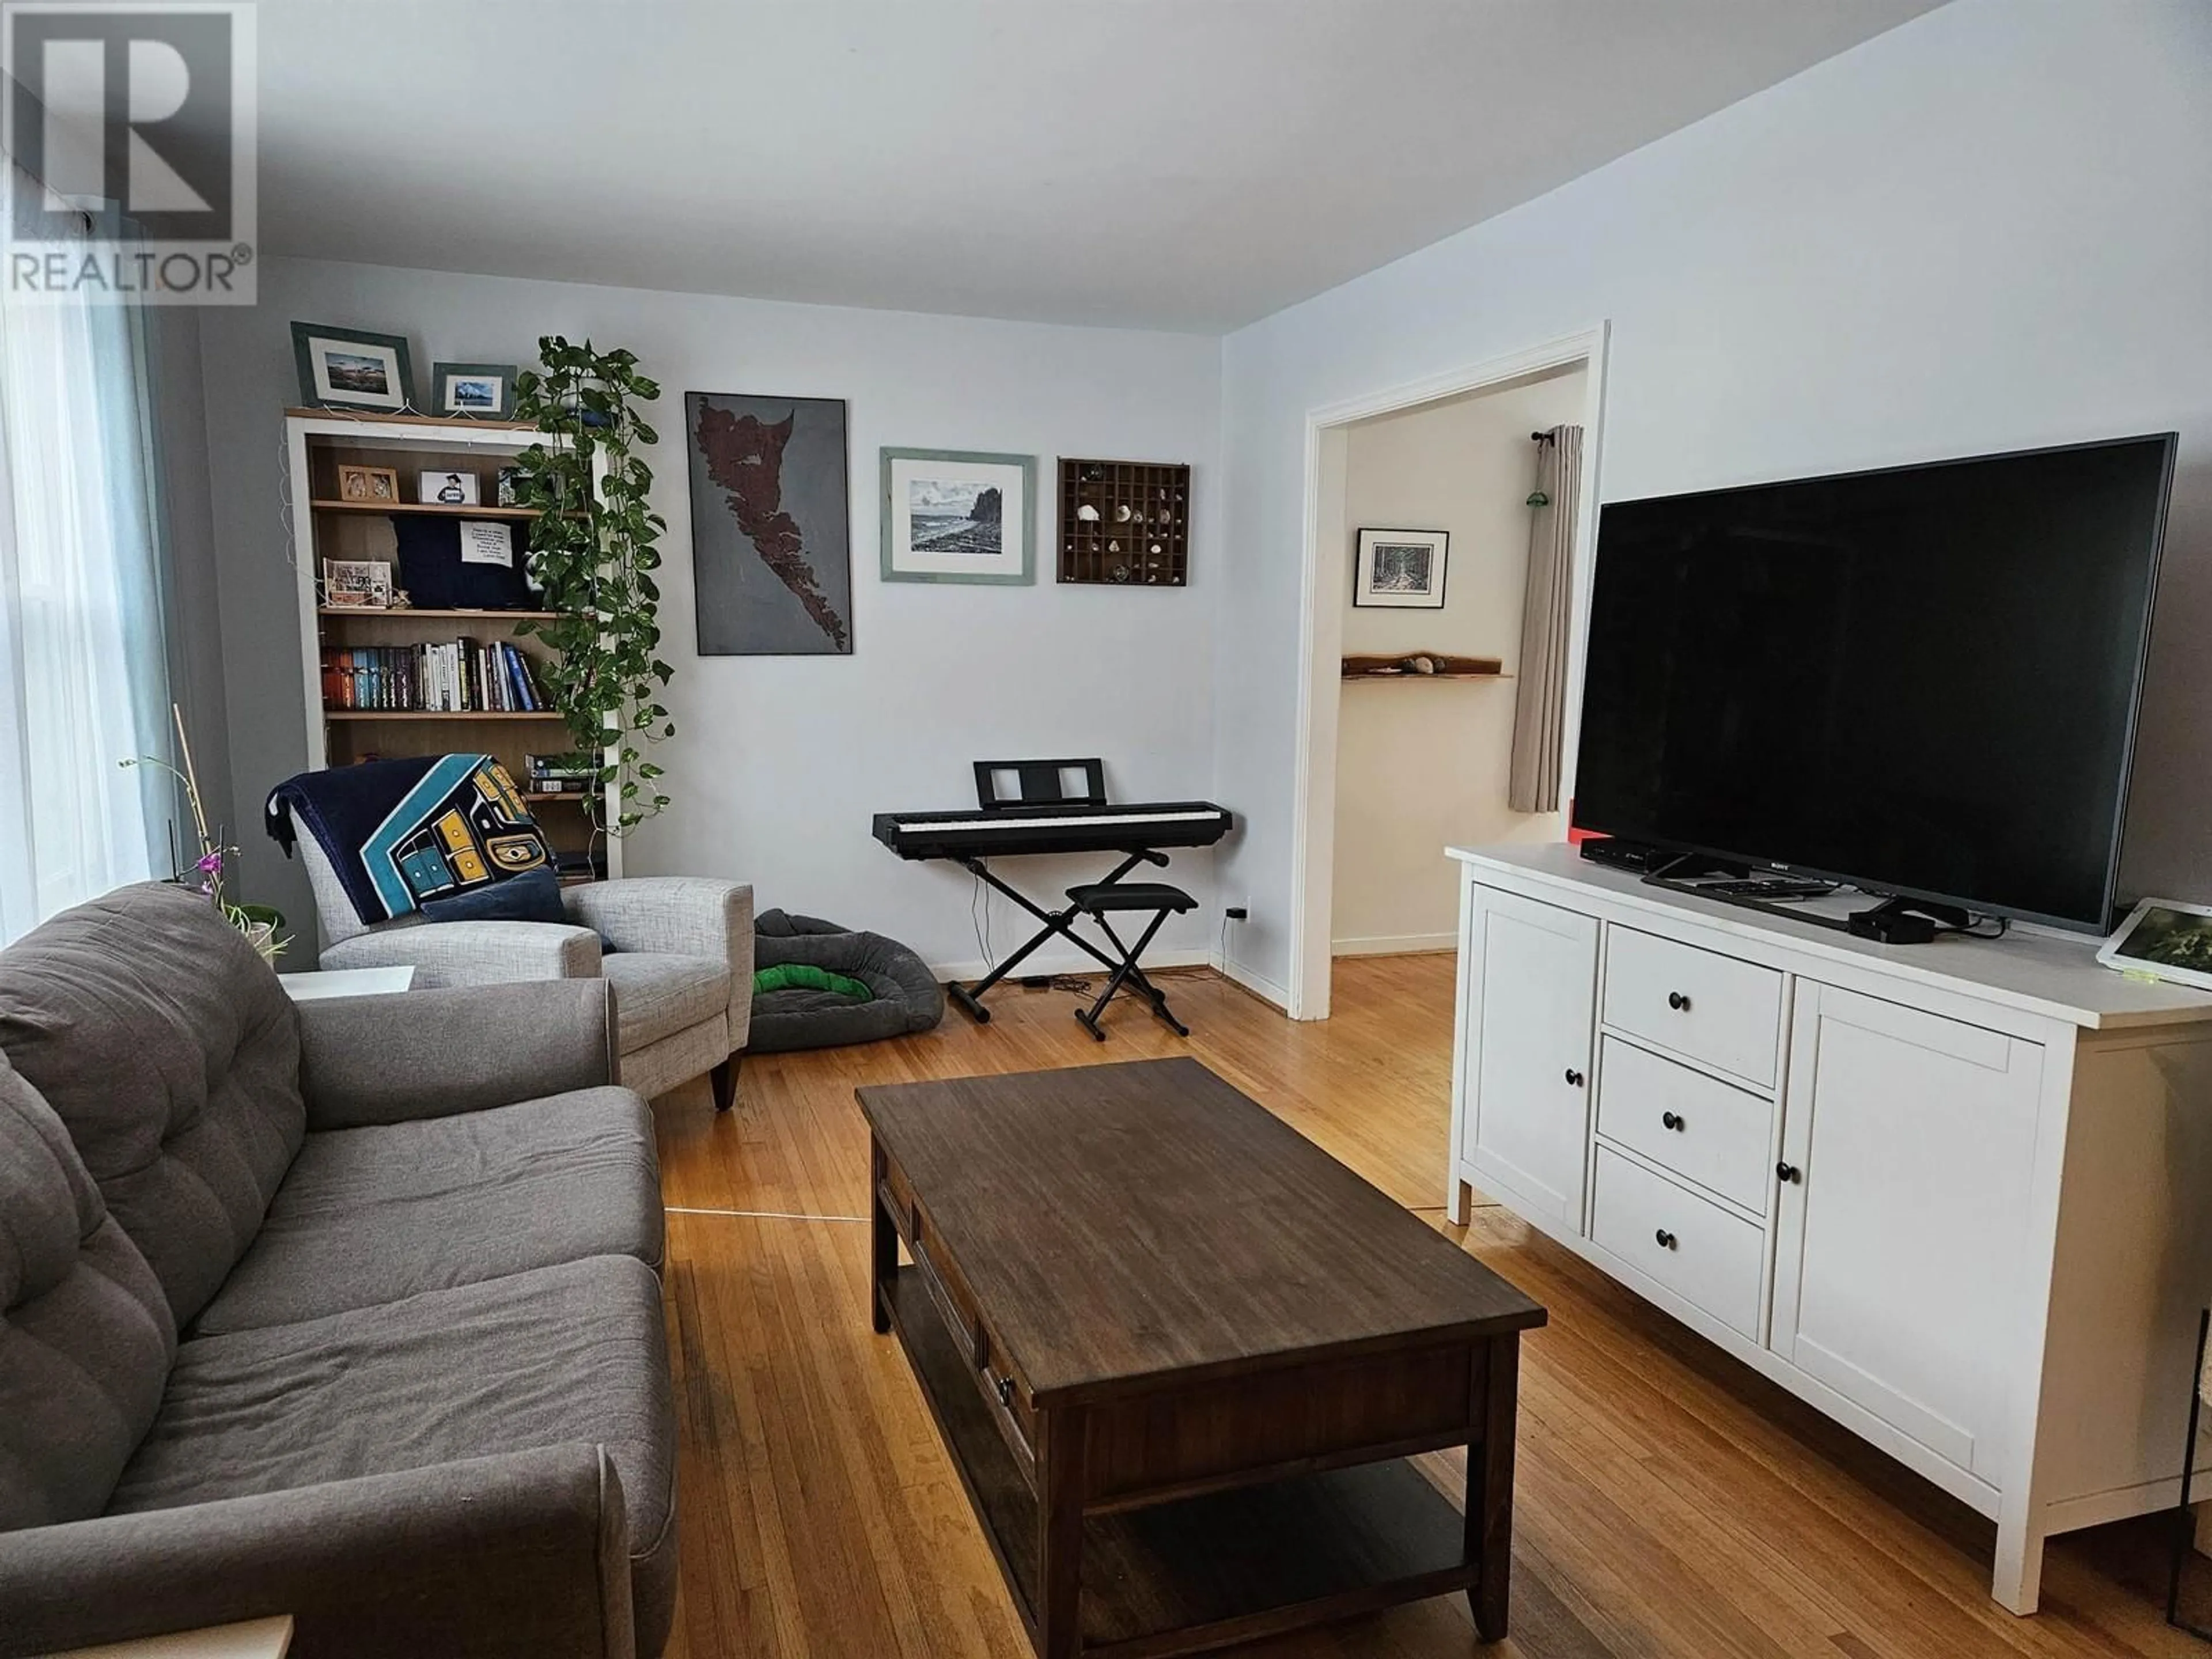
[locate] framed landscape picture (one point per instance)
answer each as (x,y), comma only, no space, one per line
(347,368)
(1400,569)
(771,543)
(485,390)
(958,515)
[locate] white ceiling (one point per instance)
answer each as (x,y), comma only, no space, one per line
(1179,164)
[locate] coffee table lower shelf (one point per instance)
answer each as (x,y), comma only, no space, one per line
(1194,1573)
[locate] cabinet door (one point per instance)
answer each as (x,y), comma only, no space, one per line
(1898,1269)
(1532,977)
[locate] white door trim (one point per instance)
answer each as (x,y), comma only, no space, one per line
(1313,829)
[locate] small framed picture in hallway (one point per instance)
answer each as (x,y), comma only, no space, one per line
(1402,570)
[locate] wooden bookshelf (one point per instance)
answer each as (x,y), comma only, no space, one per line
(320,441)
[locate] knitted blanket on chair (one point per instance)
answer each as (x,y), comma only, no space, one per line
(401,831)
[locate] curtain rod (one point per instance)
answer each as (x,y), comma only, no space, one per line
(1543,438)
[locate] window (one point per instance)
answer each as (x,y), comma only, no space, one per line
(84,681)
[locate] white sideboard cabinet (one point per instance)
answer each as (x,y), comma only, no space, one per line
(1957,1195)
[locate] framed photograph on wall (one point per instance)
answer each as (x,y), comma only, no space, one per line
(483,390)
(1400,569)
(958,515)
(348,368)
(2166,939)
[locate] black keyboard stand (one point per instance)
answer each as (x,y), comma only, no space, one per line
(1058,924)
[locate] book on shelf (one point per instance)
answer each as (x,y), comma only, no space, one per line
(453,677)
(573,773)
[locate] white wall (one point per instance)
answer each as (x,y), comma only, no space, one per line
(1422,764)
(1988,229)
(781,761)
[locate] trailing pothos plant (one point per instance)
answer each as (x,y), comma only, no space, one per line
(593,552)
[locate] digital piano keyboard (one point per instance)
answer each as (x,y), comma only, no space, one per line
(1006,831)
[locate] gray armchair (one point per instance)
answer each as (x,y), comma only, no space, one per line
(678,949)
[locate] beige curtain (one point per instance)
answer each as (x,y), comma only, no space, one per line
(1539,707)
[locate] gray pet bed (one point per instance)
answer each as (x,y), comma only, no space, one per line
(908,997)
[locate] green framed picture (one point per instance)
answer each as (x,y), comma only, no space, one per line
(958,515)
(483,390)
(352,368)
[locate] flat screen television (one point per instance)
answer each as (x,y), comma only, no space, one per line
(1922,681)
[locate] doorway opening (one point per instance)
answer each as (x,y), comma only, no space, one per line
(1419,505)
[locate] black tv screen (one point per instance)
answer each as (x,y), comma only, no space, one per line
(1922,681)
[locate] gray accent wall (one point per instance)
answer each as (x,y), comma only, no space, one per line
(192,599)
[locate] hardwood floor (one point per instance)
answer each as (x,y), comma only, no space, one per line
(1670,1501)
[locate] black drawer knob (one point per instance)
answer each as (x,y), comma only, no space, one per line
(1678,1002)
(1574,1077)
(1666,1239)
(1672,1119)
(1788,1172)
(1006,1391)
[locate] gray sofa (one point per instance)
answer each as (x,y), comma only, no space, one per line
(349,1310)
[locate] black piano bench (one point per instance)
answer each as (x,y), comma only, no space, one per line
(1100,899)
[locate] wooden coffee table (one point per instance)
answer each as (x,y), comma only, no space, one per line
(1180,1356)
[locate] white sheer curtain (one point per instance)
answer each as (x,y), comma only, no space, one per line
(83,676)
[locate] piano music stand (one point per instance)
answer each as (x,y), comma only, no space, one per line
(1040,783)
(1043,783)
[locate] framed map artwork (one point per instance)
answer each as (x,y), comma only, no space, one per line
(771,543)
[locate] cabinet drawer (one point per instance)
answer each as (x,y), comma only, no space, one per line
(1709,1007)
(1689,1244)
(1704,1130)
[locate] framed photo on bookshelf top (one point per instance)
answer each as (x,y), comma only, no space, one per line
(484,390)
(958,515)
(352,368)
(1400,569)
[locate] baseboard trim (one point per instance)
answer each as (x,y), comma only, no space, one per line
(1394,945)
(1258,985)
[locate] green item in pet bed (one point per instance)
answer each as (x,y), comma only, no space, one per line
(800,975)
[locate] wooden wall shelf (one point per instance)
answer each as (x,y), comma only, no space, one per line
(1125,522)
(1445,667)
